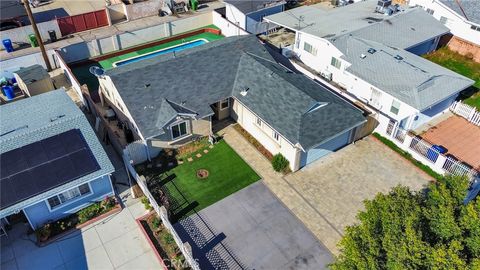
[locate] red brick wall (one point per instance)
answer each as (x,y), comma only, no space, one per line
(464,47)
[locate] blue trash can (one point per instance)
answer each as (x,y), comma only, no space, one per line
(7,43)
(9,93)
(434,151)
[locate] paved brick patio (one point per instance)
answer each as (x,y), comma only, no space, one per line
(460,137)
(327,194)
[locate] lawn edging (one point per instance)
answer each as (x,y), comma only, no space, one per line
(407,156)
(150,243)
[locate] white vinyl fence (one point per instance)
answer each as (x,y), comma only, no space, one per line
(468,112)
(70,76)
(185,248)
(424,152)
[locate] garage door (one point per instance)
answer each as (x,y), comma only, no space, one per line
(325,148)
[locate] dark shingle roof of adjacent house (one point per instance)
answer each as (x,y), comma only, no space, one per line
(409,78)
(249,6)
(196,78)
(470,7)
(26,122)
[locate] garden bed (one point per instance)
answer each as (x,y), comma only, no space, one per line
(54,230)
(162,242)
(253,142)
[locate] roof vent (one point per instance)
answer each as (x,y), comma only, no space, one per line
(57,117)
(362,56)
(398,57)
(244,92)
(183,103)
(372,50)
(13,130)
(147,85)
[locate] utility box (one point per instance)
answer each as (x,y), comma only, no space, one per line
(33,40)
(33,80)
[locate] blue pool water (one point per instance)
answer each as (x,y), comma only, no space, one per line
(177,48)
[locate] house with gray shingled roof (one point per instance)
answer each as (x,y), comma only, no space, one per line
(462,17)
(374,58)
(52,164)
(173,99)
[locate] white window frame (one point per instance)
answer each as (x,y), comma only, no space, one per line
(276,135)
(258,121)
(430,11)
(187,126)
(335,62)
(443,19)
(68,202)
(375,97)
(309,48)
(397,108)
(228,104)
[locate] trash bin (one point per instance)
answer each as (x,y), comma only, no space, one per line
(33,40)
(434,151)
(7,43)
(53,35)
(9,93)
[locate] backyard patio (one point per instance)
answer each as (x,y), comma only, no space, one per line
(196,176)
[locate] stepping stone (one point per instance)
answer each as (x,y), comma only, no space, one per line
(149,166)
(198,155)
(210,146)
(170,164)
(189,159)
(205,151)
(159,165)
(180,162)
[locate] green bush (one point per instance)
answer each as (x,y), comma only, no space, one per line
(146,203)
(156,222)
(168,238)
(279,163)
(89,212)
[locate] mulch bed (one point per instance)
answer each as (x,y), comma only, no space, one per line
(254,142)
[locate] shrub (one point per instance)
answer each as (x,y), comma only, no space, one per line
(279,163)
(156,222)
(146,203)
(108,203)
(44,232)
(168,238)
(89,212)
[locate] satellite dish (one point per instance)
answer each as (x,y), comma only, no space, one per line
(97,71)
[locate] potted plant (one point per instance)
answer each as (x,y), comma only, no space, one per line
(44,232)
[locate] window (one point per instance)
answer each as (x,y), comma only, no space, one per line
(179,130)
(476,28)
(276,136)
(259,122)
(299,35)
(375,98)
(68,195)
(224,104)
(395,107)
(430,11)
(336,63)
(309,48)
(443,20)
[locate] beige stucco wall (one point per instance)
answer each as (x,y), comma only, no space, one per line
(35,88)
(264,134)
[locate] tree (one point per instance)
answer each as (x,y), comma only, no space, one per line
(429,229)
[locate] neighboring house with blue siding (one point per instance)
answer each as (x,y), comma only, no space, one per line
(52,163)
(249,14)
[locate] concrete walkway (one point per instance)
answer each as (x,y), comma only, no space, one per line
(327,196)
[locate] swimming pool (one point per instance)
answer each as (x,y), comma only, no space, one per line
(175,48)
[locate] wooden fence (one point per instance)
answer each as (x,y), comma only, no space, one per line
(466,111)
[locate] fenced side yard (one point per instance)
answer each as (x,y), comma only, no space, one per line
(466,111)
(185,248)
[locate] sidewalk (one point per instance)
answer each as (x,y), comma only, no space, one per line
(294,201)
(110,31)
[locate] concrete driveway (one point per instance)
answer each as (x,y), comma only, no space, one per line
(335,187)
(252,229)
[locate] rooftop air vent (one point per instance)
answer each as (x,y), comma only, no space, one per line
(362,56)
(57,117)
(147,85)
(372,50)
(244,92)
(398,57)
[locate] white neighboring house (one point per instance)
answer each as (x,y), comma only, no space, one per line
(248,14)
(462,17)
(374,57)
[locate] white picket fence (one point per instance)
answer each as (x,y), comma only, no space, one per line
(423,151)
(185,248)
(466,111)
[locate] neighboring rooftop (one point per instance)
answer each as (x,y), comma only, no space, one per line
(32,122)
(404,29)
(406,76)
(32,73)
(222,69)
(249,6)
(470,7)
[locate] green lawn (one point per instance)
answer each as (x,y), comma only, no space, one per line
(228,173)
(462,65)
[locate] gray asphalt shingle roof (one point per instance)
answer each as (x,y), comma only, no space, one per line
(249,6)
(471,8)
(413,79)
(212,72)
(36,118)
